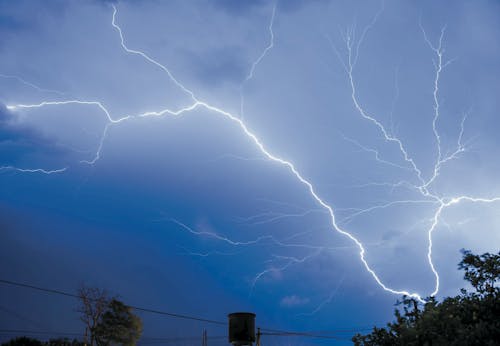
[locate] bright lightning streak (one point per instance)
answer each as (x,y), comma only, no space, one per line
(266,50)
(349,67)
(289,262)
(154,62)
(276,159)
(423,188)
(353,48)
(375,153)
(268,239)
(259,59)
(60,103)
(249,134)
(33,170)
(439,68)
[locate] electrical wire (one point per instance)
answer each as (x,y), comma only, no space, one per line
(266,331)
(154,311)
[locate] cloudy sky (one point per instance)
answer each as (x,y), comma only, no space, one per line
(309,161)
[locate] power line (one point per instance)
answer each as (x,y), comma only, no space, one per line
(301,334)
(36,332)
(13,283)
(159,312)
(323,334)
(147,339)
(267,331)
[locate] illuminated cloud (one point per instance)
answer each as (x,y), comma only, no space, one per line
(293,301)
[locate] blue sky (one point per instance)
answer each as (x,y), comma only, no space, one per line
(387,109)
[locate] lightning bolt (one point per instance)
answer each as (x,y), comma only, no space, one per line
(353,48)
(266,50)
(269,217)
(328,300)
(374,152)
(349,218)
(289,261)
(31,85)
(207,254)
(259,59)
(33,170)
(349,64)
(269,239)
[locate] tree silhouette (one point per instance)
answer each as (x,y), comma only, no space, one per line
(118,325)
(23,341)
(471,318)
(107,321)
(93,303)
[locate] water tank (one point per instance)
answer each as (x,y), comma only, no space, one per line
(241,328)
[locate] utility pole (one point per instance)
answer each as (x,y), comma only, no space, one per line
(204,339)
(85,336)
(258,337)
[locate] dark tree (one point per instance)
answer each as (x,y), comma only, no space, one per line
(64,342)
(23,341)
(482,271)
(471,318)
(107,321)
(118,325)
(93,304)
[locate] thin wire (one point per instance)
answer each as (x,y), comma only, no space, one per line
(33,332)
(267,331)
(67,294)
(301,334)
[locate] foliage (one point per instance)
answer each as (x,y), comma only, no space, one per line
(64,342)
(25,341)
(93,304)
(118,325)
(107,320)
(471,318)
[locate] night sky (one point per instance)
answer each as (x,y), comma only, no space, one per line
(308,161)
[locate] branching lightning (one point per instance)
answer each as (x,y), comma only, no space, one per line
(442,203)
(31,85)
(289,261)
(374,152)
(259,59)
(327,300)
(353,45)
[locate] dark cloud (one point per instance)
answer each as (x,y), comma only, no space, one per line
(389,235)
(294,5)
(26,16)
(17,139)
(237,7)
(242,7)
(10,23)
(219,66)
(21,239)
(106,2)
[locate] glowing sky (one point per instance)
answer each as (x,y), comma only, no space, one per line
(307,161)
